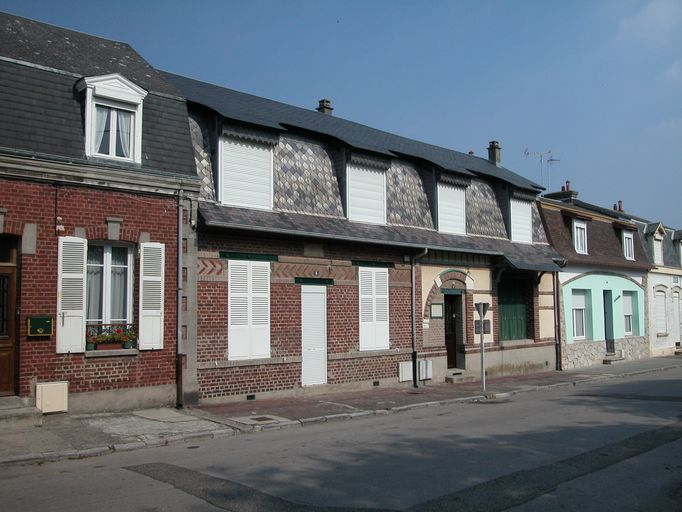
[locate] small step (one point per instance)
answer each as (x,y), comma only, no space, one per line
(14,412)
(458,376)
(613,359)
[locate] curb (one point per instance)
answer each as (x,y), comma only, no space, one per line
(233,428)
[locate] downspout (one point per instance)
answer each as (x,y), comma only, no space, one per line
(178,351)
(415,382)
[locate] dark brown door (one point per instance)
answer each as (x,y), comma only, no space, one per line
(8,286)
(454,331)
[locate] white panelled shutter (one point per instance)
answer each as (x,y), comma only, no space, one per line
(373,298)
(248,314)
(366,194)
(150,329)
(521,221)
(71,294)
(313,335)
(246,174)
(661,326)
(451,209)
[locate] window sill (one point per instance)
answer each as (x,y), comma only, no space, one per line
(661,334)
(119,352)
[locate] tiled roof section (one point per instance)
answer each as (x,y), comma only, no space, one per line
(406,201)
(604,243)
(42,113)
(58,48)
(671,248)
(262,112)
(538,229)
(522,256)
(483,214)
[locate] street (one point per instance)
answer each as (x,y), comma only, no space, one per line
(616,445)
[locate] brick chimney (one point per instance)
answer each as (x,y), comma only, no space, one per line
(566,195)
(494,152)
(325,106)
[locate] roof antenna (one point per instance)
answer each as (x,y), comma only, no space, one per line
(545,157)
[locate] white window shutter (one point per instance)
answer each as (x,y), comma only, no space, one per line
(238,336)
(451,209)
(150,329)
(71,294)
(661,322)
(260,309)
(246,174)
(366,195)
(381,299)
(521,221)
(366,299)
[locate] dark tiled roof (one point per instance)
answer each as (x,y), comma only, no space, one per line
(604,243)
(255,110)
(671,255)
(537,257)
(75,52)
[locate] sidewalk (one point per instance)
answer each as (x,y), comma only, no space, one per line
(65,436)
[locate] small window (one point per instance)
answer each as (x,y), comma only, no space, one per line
(451,209)
(109,285)
(246,173)
(113,117)
(627,312)
(580,236)
(521,221)
(658,252)
(579,331)
(366,194)
(628,245)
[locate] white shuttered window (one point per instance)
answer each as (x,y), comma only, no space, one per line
(71,294)
(366,194)
(521,221)
(661,323)
(152,257)
(373,293)
(451,209)
(248,309)
(627,312)
(246,174)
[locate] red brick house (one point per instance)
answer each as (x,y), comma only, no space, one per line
(94,149)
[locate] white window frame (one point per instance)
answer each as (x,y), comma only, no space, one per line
(351,201)
(447,223)
(661,315)
(517,208)
(106,284)
(629,245)
(579,312)
(220,194)
(628,316)
(374,334)
(116,92)
(658,251)
(580,236)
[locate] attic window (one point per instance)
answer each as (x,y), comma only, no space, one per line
(628,245)
(580,236)
(658,251)
(113,117)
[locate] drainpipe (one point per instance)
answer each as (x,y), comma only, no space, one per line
(178,352)
(415,382)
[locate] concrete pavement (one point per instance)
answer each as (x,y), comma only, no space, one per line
(64,436)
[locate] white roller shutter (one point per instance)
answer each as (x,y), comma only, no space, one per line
(246,174)
(152,258)
(373,299)
(521,221)
(248,309)
(366,194)
(451,209)
(661,324)
(71,294)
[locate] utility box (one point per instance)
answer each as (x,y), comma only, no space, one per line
(52,396)
(425,369)
(404,371)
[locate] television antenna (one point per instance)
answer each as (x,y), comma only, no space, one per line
(545,158)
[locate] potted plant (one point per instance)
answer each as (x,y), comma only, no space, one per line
(114,337)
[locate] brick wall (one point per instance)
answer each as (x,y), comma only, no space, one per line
(41,204)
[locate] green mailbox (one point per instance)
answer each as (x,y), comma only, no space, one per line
(40,326)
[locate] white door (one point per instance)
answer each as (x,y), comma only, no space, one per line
(313,335)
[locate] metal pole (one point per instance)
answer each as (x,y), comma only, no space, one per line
(178,344)
(482,358)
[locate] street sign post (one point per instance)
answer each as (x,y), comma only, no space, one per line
(482,308)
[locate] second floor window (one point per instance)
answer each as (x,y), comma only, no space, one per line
(113,132)
(628,246)
(658,252)
(521,221)
(451,209)
(246,173)
(580,236)
(366,194)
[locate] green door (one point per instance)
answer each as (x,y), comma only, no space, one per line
(512,302)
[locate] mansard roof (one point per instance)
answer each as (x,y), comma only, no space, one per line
(255,110)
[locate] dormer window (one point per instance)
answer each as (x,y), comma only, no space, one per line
(580,236)
(246,173)
(658,251)
(366,194)
(628,245)
(521,221)
(451,209)
(113,117)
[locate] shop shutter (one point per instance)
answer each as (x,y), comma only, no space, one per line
(150,329)
(71,294)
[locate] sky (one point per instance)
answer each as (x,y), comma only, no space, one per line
(598,83)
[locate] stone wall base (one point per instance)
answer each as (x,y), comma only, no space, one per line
(580,354)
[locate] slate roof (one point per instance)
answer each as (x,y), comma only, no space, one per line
(42,113)
(537,257)
(254,110)
(604,239)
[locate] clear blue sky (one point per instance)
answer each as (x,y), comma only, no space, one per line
(599,83)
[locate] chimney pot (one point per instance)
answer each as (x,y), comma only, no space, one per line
(563,188)
(494,152)
(325,106)
(620,205)
(615,206)
(471,152)
(568,185)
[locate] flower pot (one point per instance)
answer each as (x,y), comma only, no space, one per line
(128,344)
(89,346)
(108,346)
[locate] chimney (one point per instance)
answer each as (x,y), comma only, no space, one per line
(494,152)
(325,106)
(620,205)
(471,152)
(566,195)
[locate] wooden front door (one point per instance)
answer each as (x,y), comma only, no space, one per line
(8,287)
(454,330)
(512,299)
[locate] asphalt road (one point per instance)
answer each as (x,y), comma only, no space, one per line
(610,446)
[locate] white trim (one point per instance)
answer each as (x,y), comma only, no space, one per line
(579,224)
(629,236)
